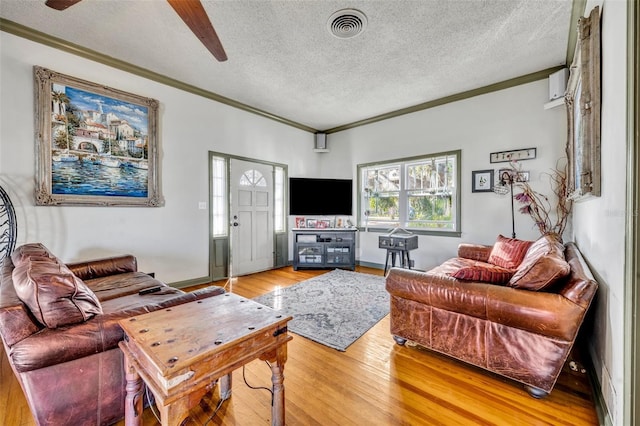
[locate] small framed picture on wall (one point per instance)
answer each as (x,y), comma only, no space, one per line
(482,180)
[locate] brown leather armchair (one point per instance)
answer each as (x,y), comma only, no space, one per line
(518,333)
(60,330)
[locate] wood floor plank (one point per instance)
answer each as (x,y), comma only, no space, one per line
(374,382)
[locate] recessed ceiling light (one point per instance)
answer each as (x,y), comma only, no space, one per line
(347,23)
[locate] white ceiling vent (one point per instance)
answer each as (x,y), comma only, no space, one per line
(347,23)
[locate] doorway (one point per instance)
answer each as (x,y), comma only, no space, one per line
(251,210)
(248,229)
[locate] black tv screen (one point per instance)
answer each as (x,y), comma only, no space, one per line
(320,196)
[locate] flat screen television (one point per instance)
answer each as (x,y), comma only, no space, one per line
(320,196)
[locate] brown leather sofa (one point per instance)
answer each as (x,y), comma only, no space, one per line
(59,327)
(521,326)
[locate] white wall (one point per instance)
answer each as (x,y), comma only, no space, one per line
(599,223)
(171,240)
(504,120)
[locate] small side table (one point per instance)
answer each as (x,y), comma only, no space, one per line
(398,244)
(405,261)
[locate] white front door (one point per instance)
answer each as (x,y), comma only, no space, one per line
(251,187)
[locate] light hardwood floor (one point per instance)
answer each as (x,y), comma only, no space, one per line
(375,382)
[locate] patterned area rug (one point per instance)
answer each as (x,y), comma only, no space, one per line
(335,308)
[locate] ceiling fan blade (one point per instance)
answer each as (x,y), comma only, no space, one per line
(194,15)
(61,4)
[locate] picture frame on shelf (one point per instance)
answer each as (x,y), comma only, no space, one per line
(482,180)
(95,145)
(311,223)
(301,222)
(323,223)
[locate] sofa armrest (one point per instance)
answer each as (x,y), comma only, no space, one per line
(97,268)
(192,296)
(477,252)
(101,333)
(548,314)
(16,324)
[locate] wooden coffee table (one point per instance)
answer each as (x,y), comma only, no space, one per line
(180,351)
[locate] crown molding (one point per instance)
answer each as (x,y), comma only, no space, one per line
(75,49)
(577,12)
(528,78)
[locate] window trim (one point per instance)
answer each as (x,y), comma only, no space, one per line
(405,160)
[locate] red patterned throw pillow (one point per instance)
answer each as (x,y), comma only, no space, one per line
(508,252)
(483,272)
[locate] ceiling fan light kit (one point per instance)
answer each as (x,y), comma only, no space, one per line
(347,23)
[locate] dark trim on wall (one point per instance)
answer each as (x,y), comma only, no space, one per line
(418,231)
(75,49)
(577,12)
(370,265)
(631,414)
(92,55)
(529,78)
(191,282)
(599,401)
(280,245)
(600,404)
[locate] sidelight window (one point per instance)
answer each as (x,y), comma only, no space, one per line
(220,222)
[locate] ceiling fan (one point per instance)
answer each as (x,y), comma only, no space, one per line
(191,12)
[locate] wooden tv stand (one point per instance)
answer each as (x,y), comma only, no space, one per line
(324,248)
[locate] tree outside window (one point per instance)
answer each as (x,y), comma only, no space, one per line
(419,194)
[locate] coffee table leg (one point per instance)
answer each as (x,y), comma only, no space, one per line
(225,387)
(133,400)
(277,379)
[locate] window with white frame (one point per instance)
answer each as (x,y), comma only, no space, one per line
(420,194)
(279,216)
(219,225)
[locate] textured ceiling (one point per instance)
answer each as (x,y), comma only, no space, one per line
(282,59)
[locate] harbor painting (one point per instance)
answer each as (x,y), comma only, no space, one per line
(96,145)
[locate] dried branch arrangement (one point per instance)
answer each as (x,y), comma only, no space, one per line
(538,206)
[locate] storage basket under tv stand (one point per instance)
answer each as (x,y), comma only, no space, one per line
(324,248)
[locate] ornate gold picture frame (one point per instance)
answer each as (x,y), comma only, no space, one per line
(95,145)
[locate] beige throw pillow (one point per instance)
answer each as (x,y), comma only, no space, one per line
(542,266)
